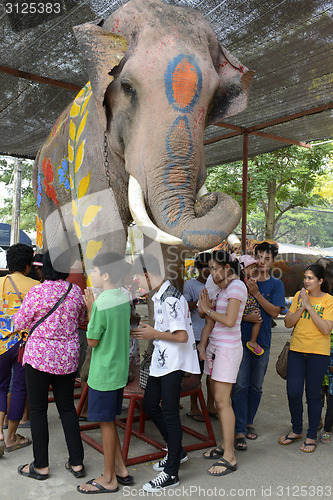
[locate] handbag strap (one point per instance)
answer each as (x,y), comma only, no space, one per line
(56,305)
(15,288)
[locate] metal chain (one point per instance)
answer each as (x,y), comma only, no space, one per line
(106,160)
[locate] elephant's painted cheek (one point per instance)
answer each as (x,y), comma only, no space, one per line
(183,83)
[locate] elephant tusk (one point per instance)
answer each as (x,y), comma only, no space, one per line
(233,240)
(202,191)
(138,210)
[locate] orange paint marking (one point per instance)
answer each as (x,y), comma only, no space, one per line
(184,83)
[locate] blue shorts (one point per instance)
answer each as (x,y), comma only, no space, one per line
(103,406)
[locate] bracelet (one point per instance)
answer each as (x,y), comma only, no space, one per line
(208,312)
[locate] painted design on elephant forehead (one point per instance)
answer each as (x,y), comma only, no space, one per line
(183,83)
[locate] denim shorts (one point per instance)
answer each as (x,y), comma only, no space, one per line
(103,406)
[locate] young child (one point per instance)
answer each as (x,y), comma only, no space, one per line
(108,335)
(248,265)
(174,353)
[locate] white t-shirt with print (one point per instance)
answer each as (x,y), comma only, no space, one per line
(171,313)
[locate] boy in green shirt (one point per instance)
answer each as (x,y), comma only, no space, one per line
(108,335)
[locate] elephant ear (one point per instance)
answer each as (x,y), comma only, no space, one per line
(232,95)
(101,51)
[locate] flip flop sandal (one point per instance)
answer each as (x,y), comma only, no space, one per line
(256,350)
(214,454)
(292,439)
(223,463)
(239,444)
(76,473)
(125,480)
(309,444)
(18,444)
(251,430)
(197,417)
(2,448)
(100,488)
(33,472)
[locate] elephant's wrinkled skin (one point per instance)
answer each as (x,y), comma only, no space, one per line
(158,77)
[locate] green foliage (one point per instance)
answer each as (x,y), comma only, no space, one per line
(278,182)
(28,202)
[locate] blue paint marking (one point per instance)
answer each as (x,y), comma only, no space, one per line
(181,121)
(168,80)
(169,184)
(173,223)
(182,155)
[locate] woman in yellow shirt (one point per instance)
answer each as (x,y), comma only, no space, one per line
(311,315)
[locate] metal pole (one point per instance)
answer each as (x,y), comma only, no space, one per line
(15,227)
(244,191)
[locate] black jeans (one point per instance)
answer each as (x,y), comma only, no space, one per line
(329,414)
(166,418)
(38,383)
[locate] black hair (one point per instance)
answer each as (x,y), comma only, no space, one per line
(33,271)
(19,256)
(56,267)
(266,247)
(113,264)
(320,273)
(147,263)
(223,258)
(202,260)
(38,257)
(327,264)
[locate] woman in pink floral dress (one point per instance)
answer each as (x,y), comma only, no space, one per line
(51,357)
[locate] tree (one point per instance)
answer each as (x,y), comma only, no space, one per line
(277,183)
(28,202)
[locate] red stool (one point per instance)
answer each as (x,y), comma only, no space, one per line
(133,392)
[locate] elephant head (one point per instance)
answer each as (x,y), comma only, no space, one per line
(173,81)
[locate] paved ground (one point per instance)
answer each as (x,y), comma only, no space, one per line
(266,470)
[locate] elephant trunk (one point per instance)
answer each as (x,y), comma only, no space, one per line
(178,219)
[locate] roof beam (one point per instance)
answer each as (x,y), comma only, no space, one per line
(40,79)
(254,129)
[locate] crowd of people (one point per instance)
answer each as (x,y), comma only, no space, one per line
(53,327)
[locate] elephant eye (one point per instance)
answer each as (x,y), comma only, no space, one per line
(127,88)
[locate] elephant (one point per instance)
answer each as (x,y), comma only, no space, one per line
(130,145)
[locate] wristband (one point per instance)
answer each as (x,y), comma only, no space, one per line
(208,312)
